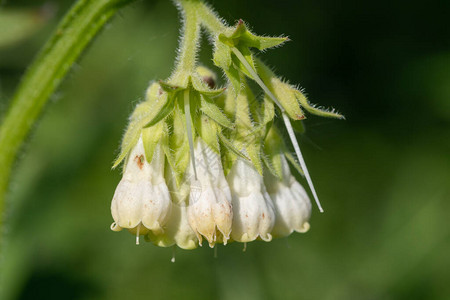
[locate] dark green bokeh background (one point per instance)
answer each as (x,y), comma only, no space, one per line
(383,175)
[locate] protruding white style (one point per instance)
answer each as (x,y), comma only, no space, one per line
(142,196)
(210,213)
(292,204)
(253,211)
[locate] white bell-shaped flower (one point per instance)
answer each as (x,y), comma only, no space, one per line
(253,211)
(177,230)
(292,204)
(210,213)
(142,196)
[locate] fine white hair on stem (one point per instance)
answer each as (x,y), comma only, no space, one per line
(287,123)
(189,41)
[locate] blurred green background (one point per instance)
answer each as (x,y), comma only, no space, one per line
(383,175)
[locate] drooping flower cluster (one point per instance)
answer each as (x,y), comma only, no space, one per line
(243,206)
(209,164)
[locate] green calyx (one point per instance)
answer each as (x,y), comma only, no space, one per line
(241,39)
(162,119)
(291,99)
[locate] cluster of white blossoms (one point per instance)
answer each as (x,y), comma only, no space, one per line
(206,163)
(242,206)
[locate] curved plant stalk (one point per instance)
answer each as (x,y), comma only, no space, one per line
(76,30)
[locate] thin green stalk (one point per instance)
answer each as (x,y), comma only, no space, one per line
(187,58)
(76,30)
(210,19)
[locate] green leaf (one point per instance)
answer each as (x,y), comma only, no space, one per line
(129,140)
(170,88)
(316,110)
(243,37)
(138,119)
(254,153)
(268,110)
(243,120)
(153,92)
(222,56)
(282,91)
(151,136)
(229,145)
(234,78)
(226,40)
(239,30)
(274,168)
(214,112)
(248,56)
(208,132)
(179,144)
(261,42)
(273,147)
(161,109)
(294,162)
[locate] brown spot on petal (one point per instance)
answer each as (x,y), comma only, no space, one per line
(263,215)
(139,159)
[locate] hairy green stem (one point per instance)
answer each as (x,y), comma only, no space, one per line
(187,59)
(210,19)
(76,30)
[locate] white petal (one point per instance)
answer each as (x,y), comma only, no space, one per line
(126,204)
(156,205)
(184,236)
(201,215)
(137,168)
(156,202)
(142,194)
(292,204)
(177,229)
(210,198)
(253,212)
(223,212)
(300,223)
